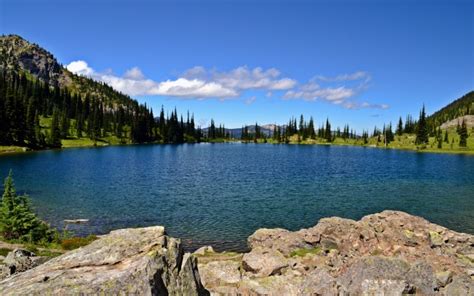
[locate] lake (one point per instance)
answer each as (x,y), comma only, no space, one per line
(219,194)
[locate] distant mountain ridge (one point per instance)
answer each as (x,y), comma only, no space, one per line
(266,129)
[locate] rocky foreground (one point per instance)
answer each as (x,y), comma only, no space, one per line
(390,253)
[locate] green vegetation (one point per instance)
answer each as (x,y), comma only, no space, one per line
(303,252)
(17,220)
(11,149)
(60,109)
(35,115)
(421,131)
(460,107)
(4,251)
(20,225)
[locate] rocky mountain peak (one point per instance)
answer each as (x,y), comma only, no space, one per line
(18,54)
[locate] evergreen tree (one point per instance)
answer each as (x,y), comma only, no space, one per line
(17,220)
(365,136)
(64,127)
(439,138)
(310,129)
(55,133)
(31,124)
(463,135)
(400,127)
(327,129)
(422,129)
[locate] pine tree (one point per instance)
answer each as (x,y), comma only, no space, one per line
(311,133)
(328,135)
(463,135)
(64,127)
(422,130)
(55,133)
(31,124)
(17,220)
(400,127)
(439,138)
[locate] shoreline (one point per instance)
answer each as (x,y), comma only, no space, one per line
(386,252)
(11,150)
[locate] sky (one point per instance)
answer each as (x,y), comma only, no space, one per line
(364,63)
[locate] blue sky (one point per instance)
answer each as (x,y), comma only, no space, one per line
(357,62)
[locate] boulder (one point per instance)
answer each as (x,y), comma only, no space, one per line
(264,262)
(388,275)
(279,239)
(388,253)
(19,260)
(141,261)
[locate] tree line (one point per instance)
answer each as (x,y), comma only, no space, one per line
(25,101)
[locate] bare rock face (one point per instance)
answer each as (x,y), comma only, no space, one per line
(390,253)
(468,119)
(142,261)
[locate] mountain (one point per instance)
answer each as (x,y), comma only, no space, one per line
(236,133)
(42,104)
(20,56)
(458,108)
(468,119)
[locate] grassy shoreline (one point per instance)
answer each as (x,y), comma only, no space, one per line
(401,142)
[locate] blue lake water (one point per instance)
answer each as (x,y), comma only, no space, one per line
(219,194)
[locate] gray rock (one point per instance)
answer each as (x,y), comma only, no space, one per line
(19,260)
(264,262)
(141,261)
(203,250)
(373,273)
(460,286)
(319,282)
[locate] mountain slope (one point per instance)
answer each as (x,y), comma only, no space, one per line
(18,55)
(460,107)
(42,104)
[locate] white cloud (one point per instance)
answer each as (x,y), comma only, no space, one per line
(80,68)
(359,75)
(342,95)
(196,82)
(250,100)
(183,87)
(202,83)
(135,73)
(312,91)
(243,78)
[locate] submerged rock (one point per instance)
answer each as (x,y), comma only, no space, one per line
(142,261)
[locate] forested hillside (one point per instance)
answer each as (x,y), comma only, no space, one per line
(460,107)
(42,103)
